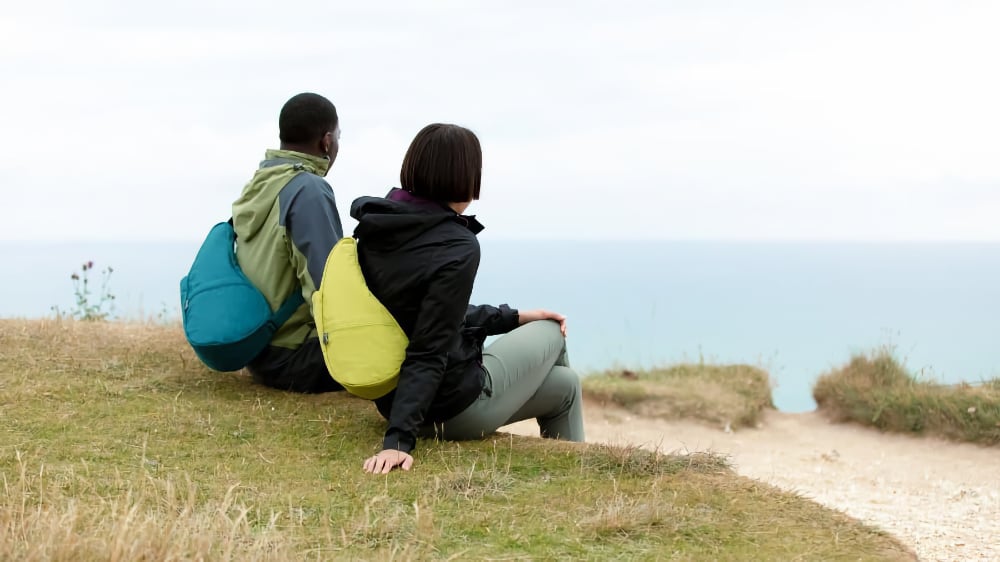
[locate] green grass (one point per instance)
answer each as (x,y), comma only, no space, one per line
(118,445)
(876,390)
(716,394)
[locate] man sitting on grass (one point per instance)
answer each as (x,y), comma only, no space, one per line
(286,223)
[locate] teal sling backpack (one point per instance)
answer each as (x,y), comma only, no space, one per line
(227,320)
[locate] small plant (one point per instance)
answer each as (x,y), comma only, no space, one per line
(166,316)
(90,306)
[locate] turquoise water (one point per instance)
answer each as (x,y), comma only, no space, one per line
(797,309)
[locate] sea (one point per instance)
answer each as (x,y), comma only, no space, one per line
(796,309)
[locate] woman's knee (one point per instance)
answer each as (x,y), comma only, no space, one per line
(549,327)
(546,333)
(565,380)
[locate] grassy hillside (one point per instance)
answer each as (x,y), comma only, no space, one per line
(720,395)
(876,390)
(117,445)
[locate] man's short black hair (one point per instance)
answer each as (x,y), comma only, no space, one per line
(306,118)
(444,163)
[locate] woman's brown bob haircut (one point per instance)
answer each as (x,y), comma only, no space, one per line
(444,163)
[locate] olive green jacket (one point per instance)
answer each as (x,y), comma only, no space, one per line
(284,233)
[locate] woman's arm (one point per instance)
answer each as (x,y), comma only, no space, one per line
(502,319)
(526,316)
(493,319)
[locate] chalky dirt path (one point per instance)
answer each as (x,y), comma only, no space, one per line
(941,498)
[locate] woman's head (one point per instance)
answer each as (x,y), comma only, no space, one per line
(444,163)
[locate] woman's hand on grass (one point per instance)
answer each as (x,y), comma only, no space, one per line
(526,316)
(386,460)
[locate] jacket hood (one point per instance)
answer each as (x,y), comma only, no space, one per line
(388,223)
(251,210)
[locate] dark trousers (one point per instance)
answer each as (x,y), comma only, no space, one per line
(295,370)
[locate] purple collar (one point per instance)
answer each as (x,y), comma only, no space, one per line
(404,196)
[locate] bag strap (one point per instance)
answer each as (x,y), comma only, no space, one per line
(288,308)
(294,300)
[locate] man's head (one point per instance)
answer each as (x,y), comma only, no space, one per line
(308,123)
(444,163)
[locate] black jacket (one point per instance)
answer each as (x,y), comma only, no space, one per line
(420,259)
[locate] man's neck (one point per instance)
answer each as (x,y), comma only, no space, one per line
(304,149)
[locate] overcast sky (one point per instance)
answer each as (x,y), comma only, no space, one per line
(840,120)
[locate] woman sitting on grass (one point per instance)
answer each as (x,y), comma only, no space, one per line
(419,256)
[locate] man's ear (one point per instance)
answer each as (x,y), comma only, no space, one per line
(324,143)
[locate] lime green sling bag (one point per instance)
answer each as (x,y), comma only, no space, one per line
(363,345)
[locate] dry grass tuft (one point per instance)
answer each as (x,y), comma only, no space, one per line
(634,461)
(624,515)
(876,390)
(476,482)
(147,520)
(734,395)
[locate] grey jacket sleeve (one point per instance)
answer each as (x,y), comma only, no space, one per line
(310,215)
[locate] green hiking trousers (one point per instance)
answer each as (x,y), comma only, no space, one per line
(528,376)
